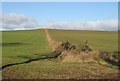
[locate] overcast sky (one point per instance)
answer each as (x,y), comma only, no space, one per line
(63,15)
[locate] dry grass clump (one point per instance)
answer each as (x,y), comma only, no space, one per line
(67,52)
(70,53)
(74,56)
(69,56)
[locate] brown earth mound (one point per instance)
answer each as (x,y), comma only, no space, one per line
(70,53)
(66,52)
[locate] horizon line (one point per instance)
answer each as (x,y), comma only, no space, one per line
(53,29)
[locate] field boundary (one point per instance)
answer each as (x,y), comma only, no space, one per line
(53,44)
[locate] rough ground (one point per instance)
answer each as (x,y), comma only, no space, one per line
(50,69)
(56,69)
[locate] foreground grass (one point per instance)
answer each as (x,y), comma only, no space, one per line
(21,45)
(105,41)
(50,69)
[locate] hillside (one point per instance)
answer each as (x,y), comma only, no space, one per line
(24,55)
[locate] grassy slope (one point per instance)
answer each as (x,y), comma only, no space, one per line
(21,45)
(99,40)
(45,69)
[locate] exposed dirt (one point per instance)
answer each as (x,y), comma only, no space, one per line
(63,71)
(51,42)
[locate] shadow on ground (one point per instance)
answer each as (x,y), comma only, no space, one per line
(112,58)
(28,61)
(12,44)
(52,55)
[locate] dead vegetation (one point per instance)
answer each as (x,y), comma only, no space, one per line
(70,53)
(66,52)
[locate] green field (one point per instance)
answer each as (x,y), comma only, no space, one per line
(105,41)
(19,46)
